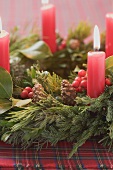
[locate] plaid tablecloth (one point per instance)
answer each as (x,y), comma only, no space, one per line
(91,156)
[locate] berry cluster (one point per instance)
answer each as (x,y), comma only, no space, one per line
(26,93)
(80,82)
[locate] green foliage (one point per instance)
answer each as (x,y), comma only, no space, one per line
(109,65)
(5,105)
(30,49)
(63,62)
(20,78)
(50,82)
(37,51)
(67,59)
(82,31)
(6,85)
(51,121)
(6,89)
(18,42)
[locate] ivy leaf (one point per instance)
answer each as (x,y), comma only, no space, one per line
(109,64)
(5,105)
(6,84)
(38,51)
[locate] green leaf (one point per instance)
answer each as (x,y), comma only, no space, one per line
(109,64)
(6,84)
(6,136)
(37,51)
(5,105)
(111,131)
(76,69)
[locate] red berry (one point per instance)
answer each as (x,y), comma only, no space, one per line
(60,47)
(30,95)
(83,78)
(75,84)
(78,79)
(107,82)
(24,94)
(84,84)
(29,89)
(79,89)
(63,43)
(81,73)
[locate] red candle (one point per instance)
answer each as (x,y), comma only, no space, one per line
(48,25)
(96,69)
(4,48)
(109,33)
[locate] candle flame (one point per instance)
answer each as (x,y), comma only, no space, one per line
(96,36)
(45,1)
(0,25)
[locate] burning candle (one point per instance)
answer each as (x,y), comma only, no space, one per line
(96,68)
(109,32)
(4,48)
(48,24)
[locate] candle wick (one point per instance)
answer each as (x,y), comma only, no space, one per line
(96,49)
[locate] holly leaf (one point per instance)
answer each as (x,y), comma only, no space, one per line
(5,105)
(37,51)
(109,64)
(6,84)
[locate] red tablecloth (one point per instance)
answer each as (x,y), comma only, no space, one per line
(90,156)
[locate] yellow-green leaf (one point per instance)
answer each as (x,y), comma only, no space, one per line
(5,105)
(6,136)
(109,64)
(21,103)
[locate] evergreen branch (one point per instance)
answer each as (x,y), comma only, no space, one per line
(85,135)
(81,32)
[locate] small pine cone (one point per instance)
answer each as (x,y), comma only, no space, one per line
(18,70)
(68,93)
(38,93)
(74,44)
